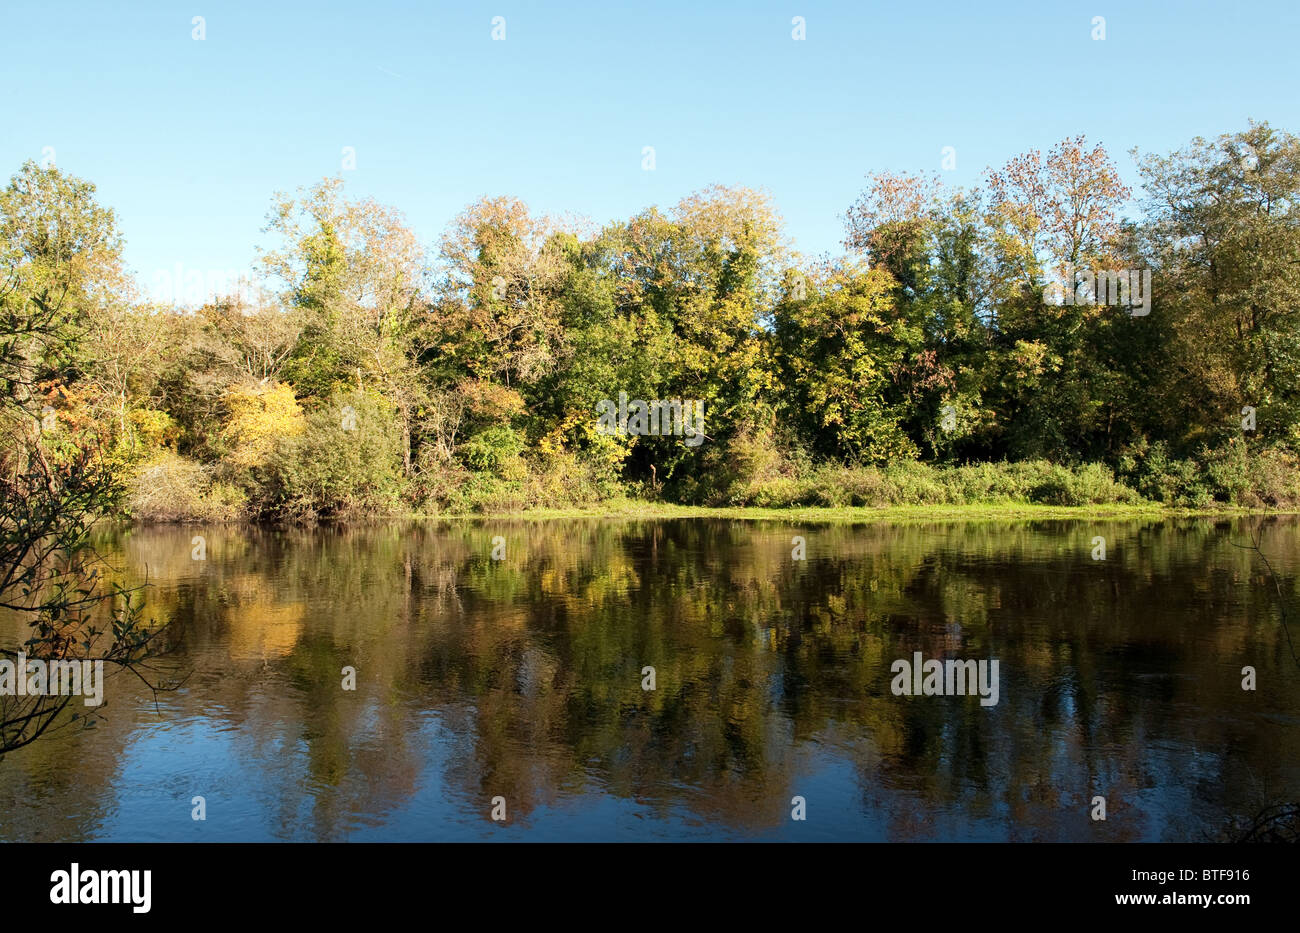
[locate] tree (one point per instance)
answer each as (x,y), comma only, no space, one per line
(1047,217)
(358,272)
(1224,238)
(59,259)
(839,345)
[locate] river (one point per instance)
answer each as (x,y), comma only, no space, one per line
(510,677)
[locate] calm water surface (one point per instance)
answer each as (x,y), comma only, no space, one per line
(522,678)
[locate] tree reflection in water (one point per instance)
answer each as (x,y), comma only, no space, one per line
(523,678)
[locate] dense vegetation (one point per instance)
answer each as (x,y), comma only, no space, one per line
(57,275)
(373,374)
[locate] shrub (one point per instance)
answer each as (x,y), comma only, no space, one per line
(1275,479)
(259,417)
(347,462)
(560,480)
(171,488)
(496,450)
(909,483)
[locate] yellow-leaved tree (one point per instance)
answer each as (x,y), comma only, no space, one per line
(259,416)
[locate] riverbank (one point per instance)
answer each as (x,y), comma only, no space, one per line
(852,514)
(170,491)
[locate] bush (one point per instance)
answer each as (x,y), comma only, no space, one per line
(495,450)
(908,483)
(171,488)
(1275,479)
(1261,478)
(1237,473)
(562,480)
(780,492)
(728,472)
(258,418)
(347,462)
(1090,484)
(1162,478)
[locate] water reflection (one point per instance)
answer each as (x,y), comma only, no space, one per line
(522,678)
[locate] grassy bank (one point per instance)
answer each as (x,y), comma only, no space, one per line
(176,491)
(629,509)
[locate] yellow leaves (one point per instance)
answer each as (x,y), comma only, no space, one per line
(259,417)
(155,428)
(729,218)
(552,443)
(1032,358)
(608,450)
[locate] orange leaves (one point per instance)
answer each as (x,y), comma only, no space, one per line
(1058,210)
(890,213)
(489,400)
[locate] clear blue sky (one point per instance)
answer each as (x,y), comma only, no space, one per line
(187,140)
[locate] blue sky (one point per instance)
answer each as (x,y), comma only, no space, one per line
(188,140)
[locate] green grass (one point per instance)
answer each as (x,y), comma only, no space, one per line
(966,512)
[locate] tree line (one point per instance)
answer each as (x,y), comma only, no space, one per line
(963,347)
